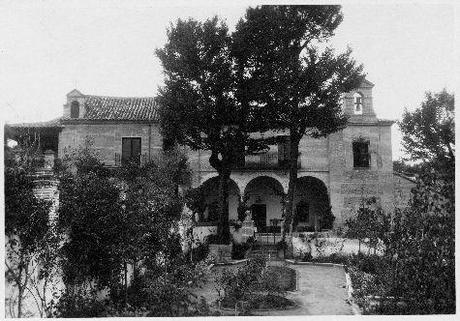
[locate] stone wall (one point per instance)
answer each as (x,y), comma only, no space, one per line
(349,185)
(107,138)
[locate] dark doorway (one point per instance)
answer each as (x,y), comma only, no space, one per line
(130,150)
(302,216)
(259,215)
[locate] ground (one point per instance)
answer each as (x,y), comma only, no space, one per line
(320,290)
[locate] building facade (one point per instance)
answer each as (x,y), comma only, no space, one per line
(335,173)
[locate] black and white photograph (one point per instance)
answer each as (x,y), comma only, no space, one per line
(228,159)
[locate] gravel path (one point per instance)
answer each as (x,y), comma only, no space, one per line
(321,290)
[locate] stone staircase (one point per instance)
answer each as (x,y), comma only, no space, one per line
(268,251)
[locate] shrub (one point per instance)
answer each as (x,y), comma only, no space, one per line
(200,252)
(240,285)
(239,250)
(278,279)
(79,304)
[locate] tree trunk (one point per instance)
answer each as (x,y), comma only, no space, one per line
(294,153)
(223,228)
(21,286)
(20,295)
(126,282)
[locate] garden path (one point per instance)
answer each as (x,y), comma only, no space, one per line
(321,290)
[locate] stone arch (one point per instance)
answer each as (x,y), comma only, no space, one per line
(246,178)
(358,103)
(311,205)
(265,197)
(211,191)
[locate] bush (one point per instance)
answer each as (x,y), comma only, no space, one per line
(212,239)
(239,250)
(256,286)
(79,304)
(240,285)
(278,279)
(167,291)
(200,252)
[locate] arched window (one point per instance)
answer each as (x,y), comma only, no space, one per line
(74,109)
(358,103)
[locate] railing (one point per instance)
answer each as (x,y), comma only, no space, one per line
(269,238)
(268,160)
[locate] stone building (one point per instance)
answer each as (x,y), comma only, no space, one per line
(335,173)
(121,129)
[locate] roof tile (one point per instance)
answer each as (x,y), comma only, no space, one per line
(120,108)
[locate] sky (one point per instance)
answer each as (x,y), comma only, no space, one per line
(48,48)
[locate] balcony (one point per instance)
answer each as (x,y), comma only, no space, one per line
(268,160)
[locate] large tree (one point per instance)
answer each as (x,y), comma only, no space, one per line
(291,74)
(199,103)
(429,133)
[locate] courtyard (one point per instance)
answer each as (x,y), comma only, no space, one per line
(320,290)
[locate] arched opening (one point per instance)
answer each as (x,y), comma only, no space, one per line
(264,197)
(74,109)
(312,205)
(210,188)
(358,103)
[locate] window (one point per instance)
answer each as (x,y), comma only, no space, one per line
(74,109)
(361,157)
(284,150)
(358,103)
(130,150)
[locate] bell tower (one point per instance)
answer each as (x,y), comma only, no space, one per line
(75,106)
(358,103)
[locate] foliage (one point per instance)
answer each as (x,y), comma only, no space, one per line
(27,154)
(327,218)
(282,68)
(243,207)
(195,199)
(79,304)
(403,167)
(422,252)
(168,291)
(198,105)
(239,286)
(239,250)
(281,245)
(122,218)
(26,222)
(200,252)
(370,225)
(90,213)
(255,286)
(276,280)
(416,274)
(429,131)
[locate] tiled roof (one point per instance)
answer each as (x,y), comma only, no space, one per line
(120,108)
(44,124)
